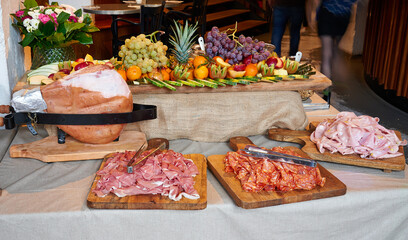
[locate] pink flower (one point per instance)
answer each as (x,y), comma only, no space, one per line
(20,13)
(25,17)
(54,15)
(44,18)
(73,19)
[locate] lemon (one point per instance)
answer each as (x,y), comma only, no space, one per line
(88,58)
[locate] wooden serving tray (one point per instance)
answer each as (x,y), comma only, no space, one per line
(48,149)
(316,82)
(333,187)
(303,138)
(111,201)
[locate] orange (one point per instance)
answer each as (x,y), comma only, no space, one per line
(122,73)
(165,74)
(133,73)
(201,72)
(191,75)
(251,70)
(199,60)
(172,76)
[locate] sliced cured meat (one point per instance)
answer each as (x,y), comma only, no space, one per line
(167,173)
(261,174)
(362,135)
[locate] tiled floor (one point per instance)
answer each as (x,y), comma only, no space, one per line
(349,91)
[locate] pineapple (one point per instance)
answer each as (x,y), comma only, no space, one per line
(182,40)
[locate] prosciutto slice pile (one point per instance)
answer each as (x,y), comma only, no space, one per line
(261,174)
(167,173)
(349,134)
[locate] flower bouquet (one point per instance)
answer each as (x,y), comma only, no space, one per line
(53,27)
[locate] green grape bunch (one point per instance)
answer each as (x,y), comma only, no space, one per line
(143,52)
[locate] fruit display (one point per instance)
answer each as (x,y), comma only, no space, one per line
(226,60)
(235,49)
(144,52)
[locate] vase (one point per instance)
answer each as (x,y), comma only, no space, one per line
(43,56)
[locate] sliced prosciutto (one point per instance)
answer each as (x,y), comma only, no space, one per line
(167,173)
(261,174)
(362,135)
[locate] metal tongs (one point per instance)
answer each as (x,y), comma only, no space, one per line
(131,163)
(254,151)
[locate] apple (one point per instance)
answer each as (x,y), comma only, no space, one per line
(82,65)
(80,60)
(247,60)
(271,60)
(221,61)
(279,64)
(66,71)
(236,74)
(240,67)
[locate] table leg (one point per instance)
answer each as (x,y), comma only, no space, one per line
(114,29)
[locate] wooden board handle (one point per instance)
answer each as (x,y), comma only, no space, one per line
(240,142)
(155,142)
(286,135)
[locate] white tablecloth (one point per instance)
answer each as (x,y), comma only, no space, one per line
(48,201)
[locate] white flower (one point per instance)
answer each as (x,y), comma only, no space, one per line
(26,22)
(34,23)
(34,14)
(69,9)
(29,28)
(58,11)
(49,11)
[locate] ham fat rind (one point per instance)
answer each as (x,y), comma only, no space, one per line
(94,89)
(349,134)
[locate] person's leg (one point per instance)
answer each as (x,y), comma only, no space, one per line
(296,20)
(280,18)
(327,54)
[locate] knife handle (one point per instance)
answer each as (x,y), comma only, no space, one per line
(240,142)
(155,142)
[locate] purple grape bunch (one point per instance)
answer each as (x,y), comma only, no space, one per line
(236,49)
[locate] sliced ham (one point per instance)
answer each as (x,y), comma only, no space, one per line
(362,135)
(167,173)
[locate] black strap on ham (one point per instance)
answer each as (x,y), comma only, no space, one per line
(140,112)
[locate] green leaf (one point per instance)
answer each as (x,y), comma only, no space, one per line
(84,38)
(62,17)
(47,29)
(61,29)
(54,4)
(56,37)
(90,29)
(87,19)
(30,3)
(27,39)
(78,12)
(71,26)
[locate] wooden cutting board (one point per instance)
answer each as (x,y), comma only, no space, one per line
(48,149)
(111,201)
(303,138)
(333,187)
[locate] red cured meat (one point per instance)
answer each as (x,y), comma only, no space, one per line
(260,174)
(349,134)
(167,173)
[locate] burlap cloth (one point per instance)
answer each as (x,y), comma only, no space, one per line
(216,117)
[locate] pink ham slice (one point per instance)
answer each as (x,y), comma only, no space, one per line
(167,173)
(349,134)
